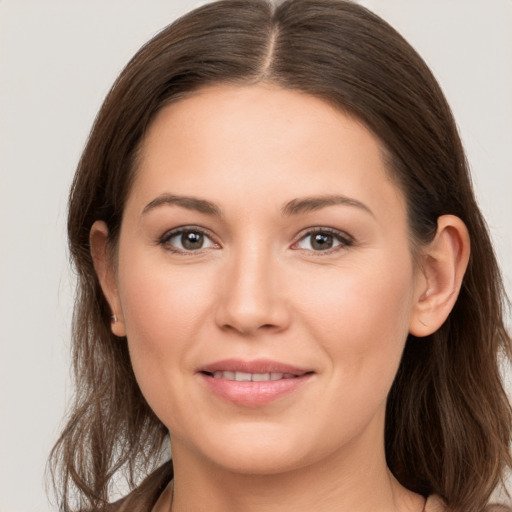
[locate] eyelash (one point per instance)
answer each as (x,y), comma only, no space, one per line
(167,237)
(344,239)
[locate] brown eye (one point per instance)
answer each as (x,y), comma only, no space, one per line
(191,240)
(323,240)
(187,240)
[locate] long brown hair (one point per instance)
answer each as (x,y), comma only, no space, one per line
(448,419)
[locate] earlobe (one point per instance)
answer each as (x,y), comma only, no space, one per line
(443,264)
(103,265)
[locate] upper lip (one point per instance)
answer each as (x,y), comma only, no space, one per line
(255,366)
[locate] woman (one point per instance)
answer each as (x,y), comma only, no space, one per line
(282,268)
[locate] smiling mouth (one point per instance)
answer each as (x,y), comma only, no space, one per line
(253,383)
(250,377)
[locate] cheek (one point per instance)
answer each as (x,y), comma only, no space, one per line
(361,314)
(163,307)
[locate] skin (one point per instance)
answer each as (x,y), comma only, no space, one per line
(258,288)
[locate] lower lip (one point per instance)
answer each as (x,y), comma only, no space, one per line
(253,394)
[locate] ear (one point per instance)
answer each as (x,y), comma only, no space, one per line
(442,267)
(104,267)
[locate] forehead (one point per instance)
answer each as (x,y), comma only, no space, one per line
(261,140)
(263,113)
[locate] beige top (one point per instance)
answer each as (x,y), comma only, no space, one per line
(434,504)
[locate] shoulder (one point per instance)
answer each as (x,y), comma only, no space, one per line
(437,504)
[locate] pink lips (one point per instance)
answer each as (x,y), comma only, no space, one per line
(252,383)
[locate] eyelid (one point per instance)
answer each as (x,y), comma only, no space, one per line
(171,233)
(343,237)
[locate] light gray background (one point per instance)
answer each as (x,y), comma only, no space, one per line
(57,61)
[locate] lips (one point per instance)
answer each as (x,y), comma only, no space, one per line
(258,366)
(252,377)
(252,383)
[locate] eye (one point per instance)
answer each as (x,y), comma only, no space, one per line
(187,240)
(323,239)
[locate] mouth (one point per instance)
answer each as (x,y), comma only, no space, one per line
(250,377)
(253,383)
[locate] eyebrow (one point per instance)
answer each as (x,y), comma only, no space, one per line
(312,203)
(190,203)
(293,207)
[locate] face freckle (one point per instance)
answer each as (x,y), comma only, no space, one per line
(263,236)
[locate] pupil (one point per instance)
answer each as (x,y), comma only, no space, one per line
(192,240)
(322,241)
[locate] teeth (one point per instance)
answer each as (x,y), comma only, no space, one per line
(254,377)
(260,376)
(242,376)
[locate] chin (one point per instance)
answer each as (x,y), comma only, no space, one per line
(250,449)
(260,461)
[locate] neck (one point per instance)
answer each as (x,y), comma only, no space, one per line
(352,480)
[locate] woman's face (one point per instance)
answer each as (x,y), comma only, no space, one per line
(264,279)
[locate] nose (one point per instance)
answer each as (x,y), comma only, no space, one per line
(252,297)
